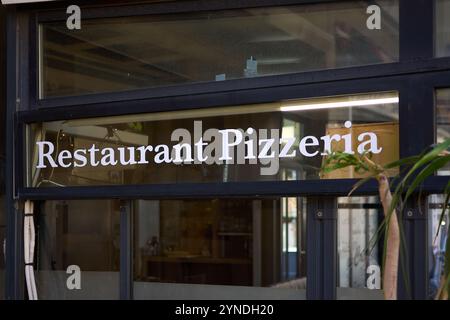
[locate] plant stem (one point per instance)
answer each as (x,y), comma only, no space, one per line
(442,293)
(390,275)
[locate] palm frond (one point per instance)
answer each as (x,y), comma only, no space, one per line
(413,171)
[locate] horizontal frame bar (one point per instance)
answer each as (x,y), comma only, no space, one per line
(226,98)
(434,185)
(115,9)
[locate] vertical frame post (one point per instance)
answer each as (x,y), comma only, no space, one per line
(14,249)
(413,282)
(416,43)
(416,29)
(126,254)
(321,248)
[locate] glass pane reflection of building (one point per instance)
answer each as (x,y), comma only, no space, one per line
(207,249)
(442,28)
(126,53)
(436,242)
(443,120)
(359,259)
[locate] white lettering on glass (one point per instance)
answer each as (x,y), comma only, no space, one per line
(231,146)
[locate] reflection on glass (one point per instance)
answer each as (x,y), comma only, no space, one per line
(85,234)
(443,120)
(126,53)
(436,245)
(359,275)
(148,143)
(217,245)
(442,28)
(293,216)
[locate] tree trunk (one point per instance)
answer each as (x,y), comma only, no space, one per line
(390,274)
(442,293)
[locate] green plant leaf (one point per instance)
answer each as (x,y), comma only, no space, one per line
(360,183)
(402,162)
(426,172)
(426,164)
(430,156)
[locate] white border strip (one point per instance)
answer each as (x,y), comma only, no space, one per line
(23,1)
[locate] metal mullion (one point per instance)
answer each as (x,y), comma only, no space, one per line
(106,9)
(417,117)
(355,76)
(414,283)
(126,250)
(321,248)
(202,190)
(230,189)
(416,29)
(14,248)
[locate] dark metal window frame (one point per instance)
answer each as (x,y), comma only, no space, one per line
(415,77)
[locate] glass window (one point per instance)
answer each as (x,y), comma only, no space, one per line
(280,141)
(359,258)
(436,245)
(219,249)
(114,54)
(443,121)
(78,250)
(293,215)
(442,28)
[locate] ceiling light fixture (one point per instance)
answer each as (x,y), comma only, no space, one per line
(340,104)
